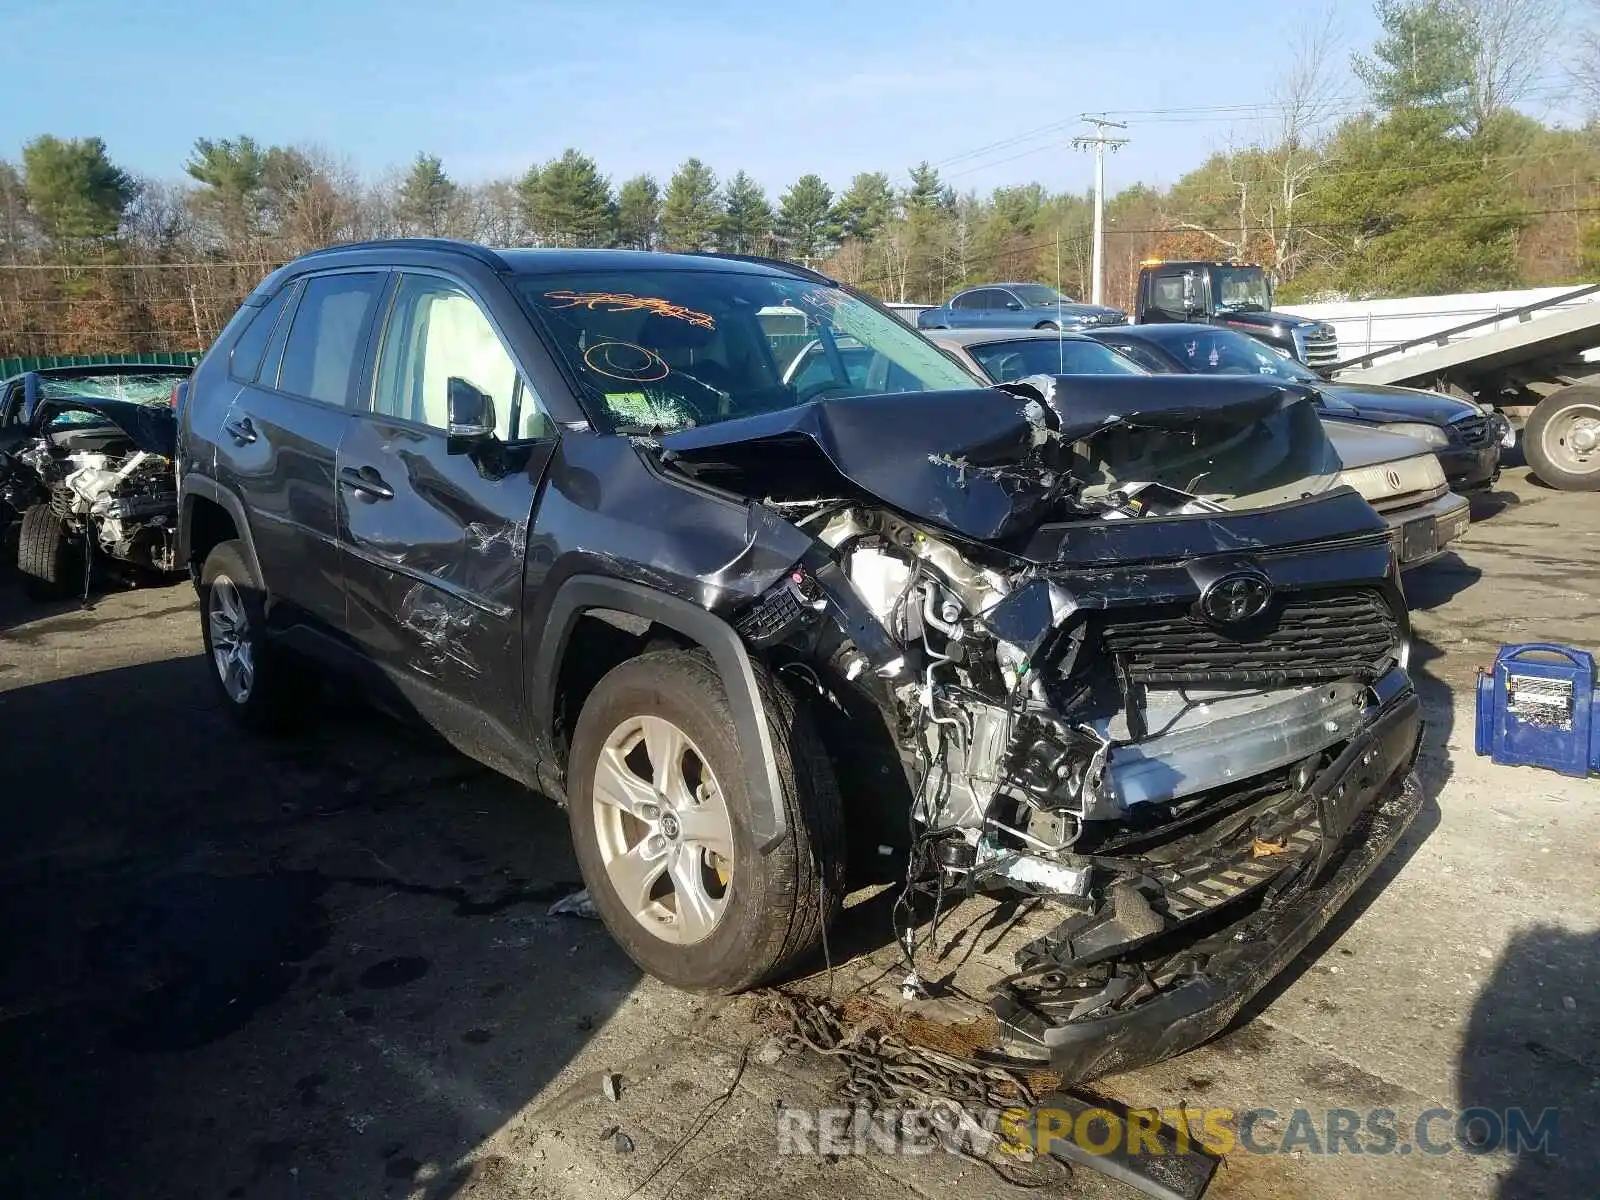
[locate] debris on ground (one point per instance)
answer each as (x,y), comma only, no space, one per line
(885,1072)
(611,1085)
(576,905)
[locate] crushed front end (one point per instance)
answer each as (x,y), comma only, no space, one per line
(1179,714)
(105,467)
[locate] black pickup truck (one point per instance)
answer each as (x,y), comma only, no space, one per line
(1236,295)
(573,510)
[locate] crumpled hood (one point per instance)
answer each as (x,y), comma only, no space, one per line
(983,463)
(151,427)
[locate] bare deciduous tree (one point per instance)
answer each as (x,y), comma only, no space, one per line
(1584,64)
(1511,41)
(1305,98)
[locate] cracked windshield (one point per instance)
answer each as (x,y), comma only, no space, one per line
(667,350)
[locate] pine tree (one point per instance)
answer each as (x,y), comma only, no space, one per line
(567,202)
(639,213)
(75,191)
(690,213)
(867,205)
(806,223)
(427,197)
(746,224)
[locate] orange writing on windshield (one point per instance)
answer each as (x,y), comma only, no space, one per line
(627,302)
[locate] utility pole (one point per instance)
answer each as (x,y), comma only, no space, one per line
(1099,141)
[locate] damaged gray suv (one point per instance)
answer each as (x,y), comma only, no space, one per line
(750,576)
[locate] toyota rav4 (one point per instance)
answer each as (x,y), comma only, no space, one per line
(1123,643)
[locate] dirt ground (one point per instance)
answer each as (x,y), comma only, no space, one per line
(326,967)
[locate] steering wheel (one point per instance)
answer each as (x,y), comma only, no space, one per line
(813,391)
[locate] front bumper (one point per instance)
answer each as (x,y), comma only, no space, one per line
(1372,792)
(1424,532)
(1471,468)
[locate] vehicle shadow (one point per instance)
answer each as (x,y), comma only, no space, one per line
(243,967)
(1532,1045)
(1487,505)
(1439,582)
(17,607)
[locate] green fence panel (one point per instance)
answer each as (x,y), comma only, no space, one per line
(15,365)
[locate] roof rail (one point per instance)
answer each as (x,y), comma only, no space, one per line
(767,261)
(451,245)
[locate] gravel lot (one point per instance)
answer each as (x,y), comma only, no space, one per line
(325,968)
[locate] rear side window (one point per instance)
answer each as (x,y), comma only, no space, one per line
(326,338)
(1146,358)
(252,344)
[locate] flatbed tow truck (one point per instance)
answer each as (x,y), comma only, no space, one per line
(1533,370)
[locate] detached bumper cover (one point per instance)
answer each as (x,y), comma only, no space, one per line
(1470,467)
(1367,816)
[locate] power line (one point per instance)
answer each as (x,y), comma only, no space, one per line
(1312,226)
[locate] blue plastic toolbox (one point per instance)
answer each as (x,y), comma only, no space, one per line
(1537,709)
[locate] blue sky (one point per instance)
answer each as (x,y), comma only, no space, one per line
(778,89)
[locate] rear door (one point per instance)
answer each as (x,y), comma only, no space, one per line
(435,541)
(277,444)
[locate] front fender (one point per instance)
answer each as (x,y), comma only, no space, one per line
(581,593)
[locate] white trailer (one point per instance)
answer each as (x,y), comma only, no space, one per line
(1534,369)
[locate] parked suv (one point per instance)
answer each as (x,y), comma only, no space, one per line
(1122,643)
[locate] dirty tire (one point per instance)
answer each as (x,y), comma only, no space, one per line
(778,904)
(48,555)
(1548,466)
(280,686)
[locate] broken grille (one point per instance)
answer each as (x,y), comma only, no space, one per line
(1304,638)
(1473,431)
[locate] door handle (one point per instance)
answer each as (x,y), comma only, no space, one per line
(242,431)
(366,482)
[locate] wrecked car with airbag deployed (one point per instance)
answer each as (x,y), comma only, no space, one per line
(767,587)
(86,471)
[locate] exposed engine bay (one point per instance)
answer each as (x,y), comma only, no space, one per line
(1148,665)
(104,468)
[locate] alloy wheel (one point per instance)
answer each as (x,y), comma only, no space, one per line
(231,648)
(664,831)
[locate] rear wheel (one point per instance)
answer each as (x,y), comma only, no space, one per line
(263,686)
(1562,439)
(48,555)
(661,822)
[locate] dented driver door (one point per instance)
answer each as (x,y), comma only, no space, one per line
(435,534)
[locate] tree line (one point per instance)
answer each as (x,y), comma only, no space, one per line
(1433,183)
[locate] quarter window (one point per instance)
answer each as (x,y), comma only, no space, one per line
(319,361)
(437,332)
(252,343)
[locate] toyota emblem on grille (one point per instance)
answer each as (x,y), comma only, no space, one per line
(1236,598)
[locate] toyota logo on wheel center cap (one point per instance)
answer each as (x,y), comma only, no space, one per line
(1235,598)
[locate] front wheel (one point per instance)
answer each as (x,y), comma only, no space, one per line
(1050,325)
(48,555)
(263,686)
(661,821)
(1562,439)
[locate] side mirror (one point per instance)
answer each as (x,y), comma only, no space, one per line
(1014,305)
(1191,299)
(471,417)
